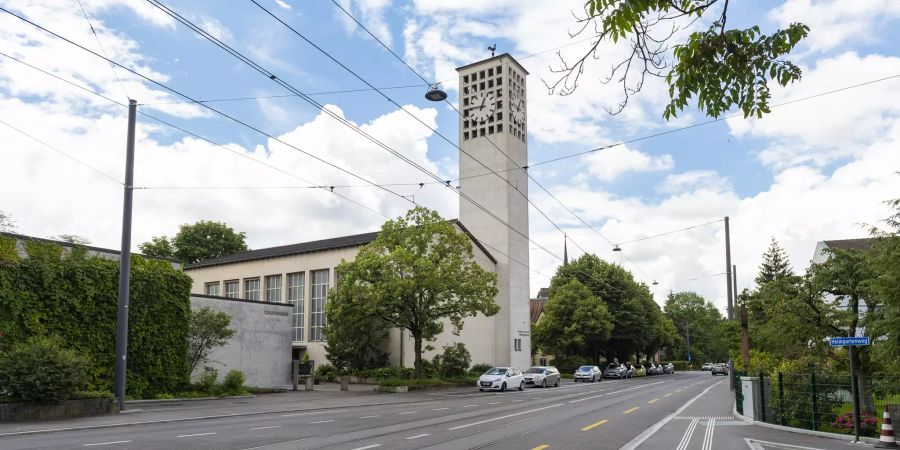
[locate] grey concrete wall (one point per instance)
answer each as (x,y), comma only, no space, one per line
(261,346)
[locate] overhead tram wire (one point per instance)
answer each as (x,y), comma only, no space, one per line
(82,163)
(102,49)
(524,169)
(330,113)
(218,112)
(670,232)
(190,133)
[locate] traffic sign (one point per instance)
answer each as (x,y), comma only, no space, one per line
(848,341)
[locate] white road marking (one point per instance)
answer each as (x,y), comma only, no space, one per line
(368,446)
(503,417)
(193,435)
(311,413)
(639,439)
(623,390)
(105,443)
(407,412)
(755,444)
(367,417)
(417,436)
(494,403)
(266,428)
(707,438)
(322,421)
(470,406)
(439,409)
(688,433)
(516,401)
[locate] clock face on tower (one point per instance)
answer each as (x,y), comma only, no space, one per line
(482,106)
(517,108)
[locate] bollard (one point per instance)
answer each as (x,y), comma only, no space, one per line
(345,383)
(295,373)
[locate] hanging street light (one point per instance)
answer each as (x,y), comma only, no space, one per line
(435,93)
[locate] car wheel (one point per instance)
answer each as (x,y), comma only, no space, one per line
(594,379)
(557,383)
(480,390)
(544,383)
(522,386)
(503,387)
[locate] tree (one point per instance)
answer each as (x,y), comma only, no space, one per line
(7,224)
(885,263)
(699,324)
(575,322)
(203,240)
(74,239)
(722,67)
(418,272)
(775,264)
(354,334)
(207,330)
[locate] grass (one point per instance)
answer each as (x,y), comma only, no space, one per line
(422,383)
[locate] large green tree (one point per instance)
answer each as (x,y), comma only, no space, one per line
(719,67)
(205,239)
(419,272)
(775,264)
(354,332)
(885,263)
(701,329)
(575,322)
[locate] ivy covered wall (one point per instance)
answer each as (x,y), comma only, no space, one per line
(74,296)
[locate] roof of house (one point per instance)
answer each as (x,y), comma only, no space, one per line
(355,240)
(536,306)
(851,244)
(543,293)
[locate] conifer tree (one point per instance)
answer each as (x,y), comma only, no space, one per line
(775,265)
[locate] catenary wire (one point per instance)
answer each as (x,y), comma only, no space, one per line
(220,113)
(670,232)
(327,111)
(102,49)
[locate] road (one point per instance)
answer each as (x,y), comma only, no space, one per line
(609,414)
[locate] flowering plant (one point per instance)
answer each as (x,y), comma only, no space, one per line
(844,422)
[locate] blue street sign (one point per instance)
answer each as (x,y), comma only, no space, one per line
(848,341)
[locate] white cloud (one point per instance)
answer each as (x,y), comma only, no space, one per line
(694,180)
(835,23)
(214,28)
(284,5)
(371,14)
(611,163)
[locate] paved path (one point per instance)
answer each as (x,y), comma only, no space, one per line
(605,415)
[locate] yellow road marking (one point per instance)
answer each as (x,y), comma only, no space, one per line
(667,395)
(632,410)
(540,447)
(593,425)
(653,401)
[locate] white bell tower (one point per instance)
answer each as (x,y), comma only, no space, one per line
(492,130)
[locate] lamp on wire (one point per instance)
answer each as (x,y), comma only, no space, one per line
(617,249)
(435,93)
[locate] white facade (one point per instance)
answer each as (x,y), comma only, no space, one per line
(493,138)
(303,278)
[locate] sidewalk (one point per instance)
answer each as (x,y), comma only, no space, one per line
(708,424)
(325,396)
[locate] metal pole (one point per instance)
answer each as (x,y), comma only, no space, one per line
(728,270)
(734,285)
(854,389)
(125,262)
(745,338)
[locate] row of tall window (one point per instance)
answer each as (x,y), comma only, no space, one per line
(295,289)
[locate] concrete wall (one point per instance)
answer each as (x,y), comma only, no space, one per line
(261,346)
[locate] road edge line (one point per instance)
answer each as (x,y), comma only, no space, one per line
(639,439)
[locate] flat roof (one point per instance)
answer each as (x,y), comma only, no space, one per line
(458,69)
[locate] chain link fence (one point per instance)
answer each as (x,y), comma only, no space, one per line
(822,401)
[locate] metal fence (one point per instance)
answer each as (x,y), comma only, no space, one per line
(822,401)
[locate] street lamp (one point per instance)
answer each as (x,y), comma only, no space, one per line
(616,248)
(435,93)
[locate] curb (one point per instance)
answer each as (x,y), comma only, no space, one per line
(824,434)
(151,401)
(187,419)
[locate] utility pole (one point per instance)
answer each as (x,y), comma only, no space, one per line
(734,278)
(125,261)
(728,270)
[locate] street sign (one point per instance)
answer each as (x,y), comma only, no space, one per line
(848,341)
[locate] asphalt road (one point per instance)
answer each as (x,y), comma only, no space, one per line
(601,415)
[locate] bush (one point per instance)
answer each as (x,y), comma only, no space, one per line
(326,372)
(454,361)
(94,394)
(164,396)
(568,363)
(40,370)
(233,381)
(208,380)
(480,368)
(681,365)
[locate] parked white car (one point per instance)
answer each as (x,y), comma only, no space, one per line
(501,379)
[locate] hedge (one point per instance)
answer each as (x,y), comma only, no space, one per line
(74,296)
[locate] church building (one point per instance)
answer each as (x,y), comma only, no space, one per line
(493,212)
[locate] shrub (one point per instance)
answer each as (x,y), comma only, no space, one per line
(480,368)
(164,396)
(844,423)
(326,372)
(681,365)
(233,381)
(569,363)
(40,370)
(454,361)
(94,394)
(208,380)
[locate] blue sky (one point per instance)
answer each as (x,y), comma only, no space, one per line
(810,171)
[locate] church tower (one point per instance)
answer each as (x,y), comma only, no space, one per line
(492,136)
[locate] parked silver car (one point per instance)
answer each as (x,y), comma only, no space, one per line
(542,376)
(615,370)
(719,368)
(587,373)
(669,368)
(706,366)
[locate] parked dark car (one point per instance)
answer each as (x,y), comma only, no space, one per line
(615,370)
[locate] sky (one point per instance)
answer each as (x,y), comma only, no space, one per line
(814,169)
